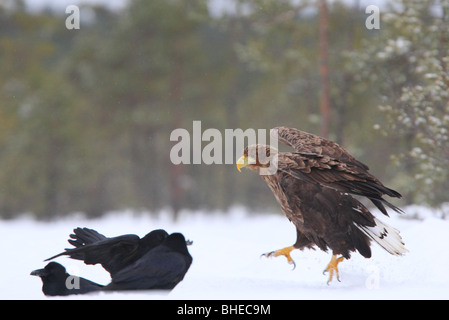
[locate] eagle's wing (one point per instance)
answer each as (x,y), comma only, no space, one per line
(341,176)
(308,143)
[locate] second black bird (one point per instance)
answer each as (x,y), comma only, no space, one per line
(57,282)
(161,268)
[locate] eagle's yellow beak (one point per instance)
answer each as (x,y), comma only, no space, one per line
(242,162)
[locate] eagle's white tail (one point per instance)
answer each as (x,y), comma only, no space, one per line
(385,236)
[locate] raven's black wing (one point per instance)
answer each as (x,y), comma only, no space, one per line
(112,253)
(83,236)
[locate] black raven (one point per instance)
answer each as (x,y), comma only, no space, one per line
(161,268)
(83,236)
(114,253)
(57,282)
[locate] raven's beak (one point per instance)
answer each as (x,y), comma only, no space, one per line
(38,273)
(189,242)
(242,162)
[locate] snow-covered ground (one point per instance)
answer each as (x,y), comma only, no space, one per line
(227,263)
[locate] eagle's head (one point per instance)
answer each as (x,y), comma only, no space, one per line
(260,158)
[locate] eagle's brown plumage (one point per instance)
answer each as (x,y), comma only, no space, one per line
(314,187)
(319,160)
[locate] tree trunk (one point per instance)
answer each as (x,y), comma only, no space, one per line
(176,171)
(325,109)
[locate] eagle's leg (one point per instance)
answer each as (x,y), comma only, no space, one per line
(282,252)
(301,243)
(333,267)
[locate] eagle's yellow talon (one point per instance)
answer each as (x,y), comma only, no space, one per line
(282,252)
(333,267)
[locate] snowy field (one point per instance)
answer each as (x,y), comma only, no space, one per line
(227,263)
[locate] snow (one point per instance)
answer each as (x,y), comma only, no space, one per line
(226,258)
